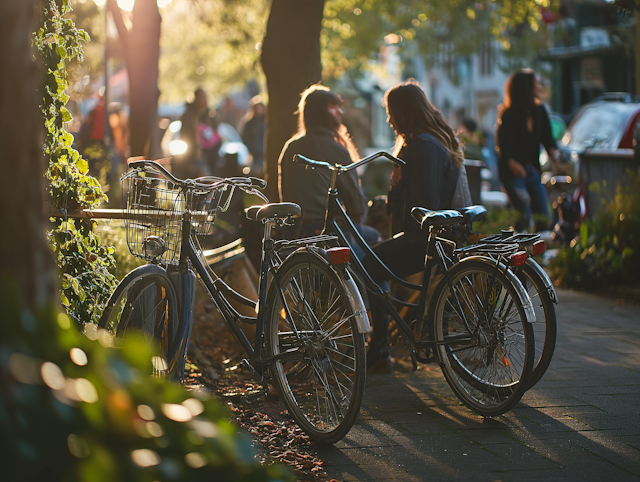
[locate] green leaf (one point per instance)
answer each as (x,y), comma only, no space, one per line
(64,299)
(83,166)
(66,115)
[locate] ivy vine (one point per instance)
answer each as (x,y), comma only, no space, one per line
(84,263)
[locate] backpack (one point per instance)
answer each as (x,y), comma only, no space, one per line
(462,195)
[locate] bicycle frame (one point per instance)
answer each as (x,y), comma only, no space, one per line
(384,298)
(257,362)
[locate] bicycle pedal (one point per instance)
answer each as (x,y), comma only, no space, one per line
(245,364)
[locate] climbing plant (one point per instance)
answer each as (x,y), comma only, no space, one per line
(84,262)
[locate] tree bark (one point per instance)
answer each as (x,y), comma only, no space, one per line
(291,63)
(141,47)
(25,257)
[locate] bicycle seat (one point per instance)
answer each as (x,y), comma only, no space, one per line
(427,218)
(473,213)
(273,210)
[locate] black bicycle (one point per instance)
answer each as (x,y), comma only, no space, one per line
(478,320)
(310,316)
(534,280)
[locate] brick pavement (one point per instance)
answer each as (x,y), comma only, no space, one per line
(581,422)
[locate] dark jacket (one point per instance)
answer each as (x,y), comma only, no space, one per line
(309,188)
(515,141)
(427,180)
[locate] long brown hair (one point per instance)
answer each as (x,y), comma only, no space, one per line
(313,112)
(519,94)
(413,114)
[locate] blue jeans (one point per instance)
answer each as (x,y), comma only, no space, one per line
(528,195)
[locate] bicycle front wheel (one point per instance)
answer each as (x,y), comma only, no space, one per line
(311,327)
(485,343)
(145,304)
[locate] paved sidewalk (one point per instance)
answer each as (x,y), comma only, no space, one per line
(581,422)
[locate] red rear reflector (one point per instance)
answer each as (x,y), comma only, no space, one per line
(539,247)
(518,259)
(339,255)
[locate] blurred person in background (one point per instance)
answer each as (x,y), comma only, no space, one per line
(195,121)
(523,125)
(252,129)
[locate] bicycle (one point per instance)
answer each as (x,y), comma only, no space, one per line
(534,279)
(310,318)
(478,320)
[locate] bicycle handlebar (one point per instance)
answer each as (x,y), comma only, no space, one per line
(312,164)
(206,182)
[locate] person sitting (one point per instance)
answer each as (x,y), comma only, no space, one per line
(321,136)
(433,157)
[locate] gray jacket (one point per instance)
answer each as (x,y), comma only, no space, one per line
(307,187)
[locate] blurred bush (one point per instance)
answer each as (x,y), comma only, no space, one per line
(496,221)
(607,250)
(73,408)
(113,233)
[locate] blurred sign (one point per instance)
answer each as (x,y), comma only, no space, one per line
(593,37)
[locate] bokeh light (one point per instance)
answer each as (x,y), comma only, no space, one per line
(175,412)
(78,356)
(52,376)
(145,457)
(146,412)
(194,405)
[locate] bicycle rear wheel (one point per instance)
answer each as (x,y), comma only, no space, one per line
(545,327)
(485,343)
(321,378)
(145,304)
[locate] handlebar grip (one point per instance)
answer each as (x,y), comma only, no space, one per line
(161,168)
(299,158)
(393,159)
(259,183)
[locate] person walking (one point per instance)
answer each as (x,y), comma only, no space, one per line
(433,157)
(321,136)
(252,129)
(523,125)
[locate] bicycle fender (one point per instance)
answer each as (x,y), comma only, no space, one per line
(353,294)
(522,293)
(548,284)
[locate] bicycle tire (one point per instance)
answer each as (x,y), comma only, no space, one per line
(322,387)
(145,303)
(491,372)
(545,327)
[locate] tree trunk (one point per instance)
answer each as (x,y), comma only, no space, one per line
(291,63)
(25,257)
(143,54)
(141,47)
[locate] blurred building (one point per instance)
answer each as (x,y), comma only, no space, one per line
(592,54)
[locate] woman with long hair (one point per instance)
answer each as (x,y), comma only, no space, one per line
(523,124)
(321,136)
(433,157)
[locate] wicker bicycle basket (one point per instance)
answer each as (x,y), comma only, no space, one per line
(154,209)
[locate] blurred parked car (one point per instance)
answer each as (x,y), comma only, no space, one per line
(172,145)
(607,123)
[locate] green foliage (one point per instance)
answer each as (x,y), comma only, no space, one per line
(214,44)
(437,30)
(496,221)
(115,235)
(84,263)
(71,408)
(607,250)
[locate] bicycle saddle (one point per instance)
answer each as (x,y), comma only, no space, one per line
(472,213)
(273,210)
(427,218)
